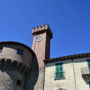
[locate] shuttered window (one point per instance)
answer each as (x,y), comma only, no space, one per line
(89,84)
(88,61)
(59,73)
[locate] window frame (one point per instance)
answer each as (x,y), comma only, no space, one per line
(59,72)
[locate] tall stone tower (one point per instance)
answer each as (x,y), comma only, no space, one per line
(41,47)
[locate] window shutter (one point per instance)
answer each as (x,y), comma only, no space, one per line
(88,61)
(59,71)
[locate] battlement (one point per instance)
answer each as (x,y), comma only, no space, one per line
(42,29)
(8,64)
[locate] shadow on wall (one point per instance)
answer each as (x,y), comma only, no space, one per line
(32,77)
(12,75)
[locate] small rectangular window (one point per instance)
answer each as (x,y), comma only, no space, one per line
(20,51)
(59,73)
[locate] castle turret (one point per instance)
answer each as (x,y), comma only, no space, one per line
(15,63)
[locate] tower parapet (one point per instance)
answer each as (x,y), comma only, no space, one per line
(41,29)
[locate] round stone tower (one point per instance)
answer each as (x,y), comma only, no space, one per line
(15,63)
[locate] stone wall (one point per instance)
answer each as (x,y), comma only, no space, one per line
(14,67)
(11,80)
(9,51)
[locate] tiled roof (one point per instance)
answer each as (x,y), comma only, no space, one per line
(84,55)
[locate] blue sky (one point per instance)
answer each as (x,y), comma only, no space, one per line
(68,19)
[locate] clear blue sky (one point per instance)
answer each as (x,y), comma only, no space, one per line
(68,19)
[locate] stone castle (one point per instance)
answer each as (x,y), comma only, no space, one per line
(23,68)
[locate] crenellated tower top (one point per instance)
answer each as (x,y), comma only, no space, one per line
(41,29)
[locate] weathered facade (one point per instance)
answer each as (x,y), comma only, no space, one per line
(75,72)
(23,68)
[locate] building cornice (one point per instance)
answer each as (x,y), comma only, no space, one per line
(76,56)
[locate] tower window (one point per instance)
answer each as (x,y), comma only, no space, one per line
(20,51)
(59,73)
(18,83)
